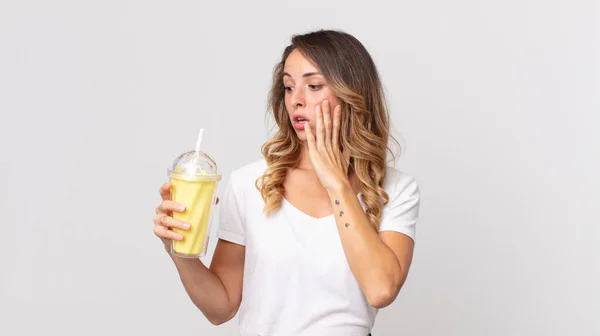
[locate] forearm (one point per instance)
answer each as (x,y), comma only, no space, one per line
(205,289)
(373,264)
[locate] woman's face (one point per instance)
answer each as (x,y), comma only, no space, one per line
(305,89)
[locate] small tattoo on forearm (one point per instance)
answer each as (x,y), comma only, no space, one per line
(337,202)
(341,213)
(347,224)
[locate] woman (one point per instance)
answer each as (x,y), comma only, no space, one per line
(318,235)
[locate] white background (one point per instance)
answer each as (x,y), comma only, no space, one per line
(497,103)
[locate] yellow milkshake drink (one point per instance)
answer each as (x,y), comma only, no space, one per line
(194,183)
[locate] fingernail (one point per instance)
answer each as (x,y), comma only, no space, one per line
(179,237)
(180,207)
(186,226)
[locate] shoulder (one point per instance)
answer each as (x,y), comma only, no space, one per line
(399,182)
(243,178)
(250,171)
(401,213)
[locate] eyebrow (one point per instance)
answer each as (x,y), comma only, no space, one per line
(308,74)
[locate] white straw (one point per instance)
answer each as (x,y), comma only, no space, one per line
(199,139)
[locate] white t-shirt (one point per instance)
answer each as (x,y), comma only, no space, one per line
(296,277)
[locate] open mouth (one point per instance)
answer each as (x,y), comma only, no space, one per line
(300,122)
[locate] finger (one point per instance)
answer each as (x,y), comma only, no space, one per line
(310,139)
(319,131)
(327,125)
(173,223)
(335,138)
(170,206)
(165,191)
(163,232)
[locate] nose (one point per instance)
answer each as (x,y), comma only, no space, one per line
(298,98)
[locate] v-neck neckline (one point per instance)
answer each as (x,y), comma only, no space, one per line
(307,216)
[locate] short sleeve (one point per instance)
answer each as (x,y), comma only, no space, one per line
(231,214)
(402,211)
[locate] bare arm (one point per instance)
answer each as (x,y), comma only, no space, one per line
(216,291)
(379,262)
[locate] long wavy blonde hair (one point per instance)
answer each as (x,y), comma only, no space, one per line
(365,126)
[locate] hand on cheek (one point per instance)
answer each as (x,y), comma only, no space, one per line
(327,157)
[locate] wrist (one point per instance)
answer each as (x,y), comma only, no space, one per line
(339,187)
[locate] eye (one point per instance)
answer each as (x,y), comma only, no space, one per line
(315,87)
(288,88)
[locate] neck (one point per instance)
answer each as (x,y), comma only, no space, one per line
(305,163)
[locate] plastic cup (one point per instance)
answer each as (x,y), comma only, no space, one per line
(194,183)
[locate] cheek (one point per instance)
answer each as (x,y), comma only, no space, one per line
(333,101)
(327,94)
(288,104)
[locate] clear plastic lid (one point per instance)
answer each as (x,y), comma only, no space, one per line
(194,165)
